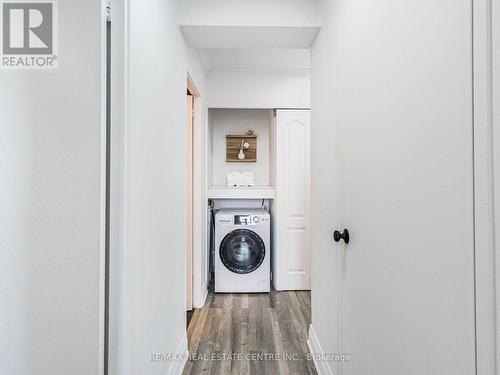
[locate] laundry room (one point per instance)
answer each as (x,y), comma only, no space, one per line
(240,196)
(250,151)
(258,181)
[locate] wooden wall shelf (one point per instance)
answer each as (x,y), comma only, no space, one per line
(233,147)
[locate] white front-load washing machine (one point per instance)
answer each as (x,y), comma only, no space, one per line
(243,251)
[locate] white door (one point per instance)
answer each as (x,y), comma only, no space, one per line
(406,181)
(291,254)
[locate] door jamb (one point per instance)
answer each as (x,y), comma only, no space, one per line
(198,193)
(105,181)
(189,198)
(495,32)
(485,254)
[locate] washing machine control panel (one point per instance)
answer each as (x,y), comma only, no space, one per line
(246,219)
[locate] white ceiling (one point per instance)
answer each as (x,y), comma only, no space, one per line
(255,59)
(251,35)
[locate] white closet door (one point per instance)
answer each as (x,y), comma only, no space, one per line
(406,178)
(291,266)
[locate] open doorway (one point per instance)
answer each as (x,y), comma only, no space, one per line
(255,172)
(192,96)
(258,311)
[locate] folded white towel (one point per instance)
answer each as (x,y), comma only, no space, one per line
(245,178)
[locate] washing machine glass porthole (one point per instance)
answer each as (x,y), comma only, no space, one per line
(242,251)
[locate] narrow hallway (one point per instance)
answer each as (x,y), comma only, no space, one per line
(251,334)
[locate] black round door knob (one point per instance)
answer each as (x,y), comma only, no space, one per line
(337,236)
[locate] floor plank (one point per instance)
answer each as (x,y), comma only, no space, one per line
(249,334)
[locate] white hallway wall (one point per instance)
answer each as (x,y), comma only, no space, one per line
(149,310)
(239,121)
(50,199)
(288,89)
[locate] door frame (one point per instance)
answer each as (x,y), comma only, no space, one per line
(496,160)
(486,116)
(189,198)
(199,192)
(105,187)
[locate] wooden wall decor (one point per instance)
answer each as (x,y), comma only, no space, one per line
(241,148)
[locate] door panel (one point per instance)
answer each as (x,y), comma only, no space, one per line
(405,146)
(292,253)
(52,184)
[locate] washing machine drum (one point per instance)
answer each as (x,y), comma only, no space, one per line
(242,251)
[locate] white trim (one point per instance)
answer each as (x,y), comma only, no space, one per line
(322,367)
(262,105)
(102,236)
(199,205)
(280,72)
(495,92)
(176,367)
(120,308)
(125,342)
(204,295)
(484,239)
(199,195)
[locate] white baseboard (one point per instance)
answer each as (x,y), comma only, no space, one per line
(176,367)
(204,294)
(322,366)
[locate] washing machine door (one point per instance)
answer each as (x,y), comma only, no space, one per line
(242,251)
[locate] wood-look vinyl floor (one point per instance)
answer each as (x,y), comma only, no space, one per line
(251,334)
